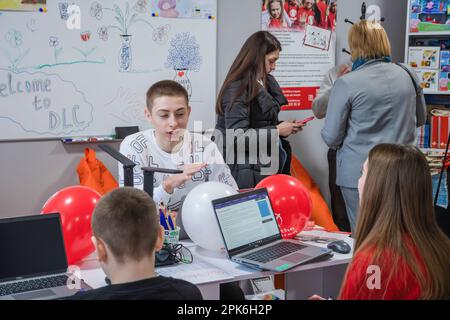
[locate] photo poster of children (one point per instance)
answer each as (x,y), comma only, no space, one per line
(306,30)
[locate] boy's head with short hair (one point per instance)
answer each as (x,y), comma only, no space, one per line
(166,88)
(168,111)
(126,228)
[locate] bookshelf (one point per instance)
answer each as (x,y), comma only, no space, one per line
(427,51)
(428,26)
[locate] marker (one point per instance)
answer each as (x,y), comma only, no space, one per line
(75,139)
(162,220)
(166,217)
(87,139)
(169,218)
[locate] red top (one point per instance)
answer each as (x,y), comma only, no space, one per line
(331,21)
(275,24)
(308,14)
(361,284)
(292,12)
(323,12)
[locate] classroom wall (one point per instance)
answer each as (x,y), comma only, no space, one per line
(307,145)
(31,171)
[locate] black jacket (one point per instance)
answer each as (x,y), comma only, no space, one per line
(157,288)
(260,114)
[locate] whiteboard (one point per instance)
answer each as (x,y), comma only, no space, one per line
(57,81)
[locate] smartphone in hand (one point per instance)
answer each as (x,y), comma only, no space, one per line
(305,121)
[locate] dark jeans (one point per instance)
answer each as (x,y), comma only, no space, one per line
(338,210)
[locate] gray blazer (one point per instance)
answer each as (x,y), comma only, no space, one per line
(376,103)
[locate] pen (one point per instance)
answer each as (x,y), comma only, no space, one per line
(174,218)
(169,218)
(100,138)
(162,220)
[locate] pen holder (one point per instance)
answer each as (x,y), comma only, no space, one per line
(172,236)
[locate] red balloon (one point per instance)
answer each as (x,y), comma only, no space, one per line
(75,205)
(291,203)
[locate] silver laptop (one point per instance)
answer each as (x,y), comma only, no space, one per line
(33,262)
(252,237)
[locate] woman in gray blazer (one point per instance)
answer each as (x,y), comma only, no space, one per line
(378,102)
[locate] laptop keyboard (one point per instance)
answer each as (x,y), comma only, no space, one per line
(276,251)
(35,284)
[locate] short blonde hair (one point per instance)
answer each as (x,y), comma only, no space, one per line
(368,40)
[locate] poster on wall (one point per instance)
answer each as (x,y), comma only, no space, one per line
(23,5)
(306,30)
(429,16)
(188,9)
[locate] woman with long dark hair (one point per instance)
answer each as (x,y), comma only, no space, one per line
(254,140)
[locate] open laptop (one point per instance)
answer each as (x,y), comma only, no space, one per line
(33,263)
(252,237)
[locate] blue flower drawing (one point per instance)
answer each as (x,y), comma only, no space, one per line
(184,53)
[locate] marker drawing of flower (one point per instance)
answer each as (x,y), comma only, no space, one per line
(103,33)
(184,53)
(97,10)
(140,6)
(54,42)
(85,36)
(161,34)
(15,40)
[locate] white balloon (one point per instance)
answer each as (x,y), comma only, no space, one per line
(199,220)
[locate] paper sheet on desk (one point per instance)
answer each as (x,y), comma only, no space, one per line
(323,235)
(197,272)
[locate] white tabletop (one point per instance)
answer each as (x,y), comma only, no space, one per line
(218,265)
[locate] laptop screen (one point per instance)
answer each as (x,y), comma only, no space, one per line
(246,220)
(31,246)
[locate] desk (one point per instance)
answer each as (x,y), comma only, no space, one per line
(323,278)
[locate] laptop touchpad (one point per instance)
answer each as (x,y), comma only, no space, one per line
(34,295)
(295,257)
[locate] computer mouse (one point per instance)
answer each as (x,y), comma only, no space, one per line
(339,246)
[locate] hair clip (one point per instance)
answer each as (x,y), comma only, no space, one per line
(363,14)
(346,51)
(363,11)
(348,21)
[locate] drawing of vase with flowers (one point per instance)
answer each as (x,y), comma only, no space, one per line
(184,56)
(125,53)
(125,20)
